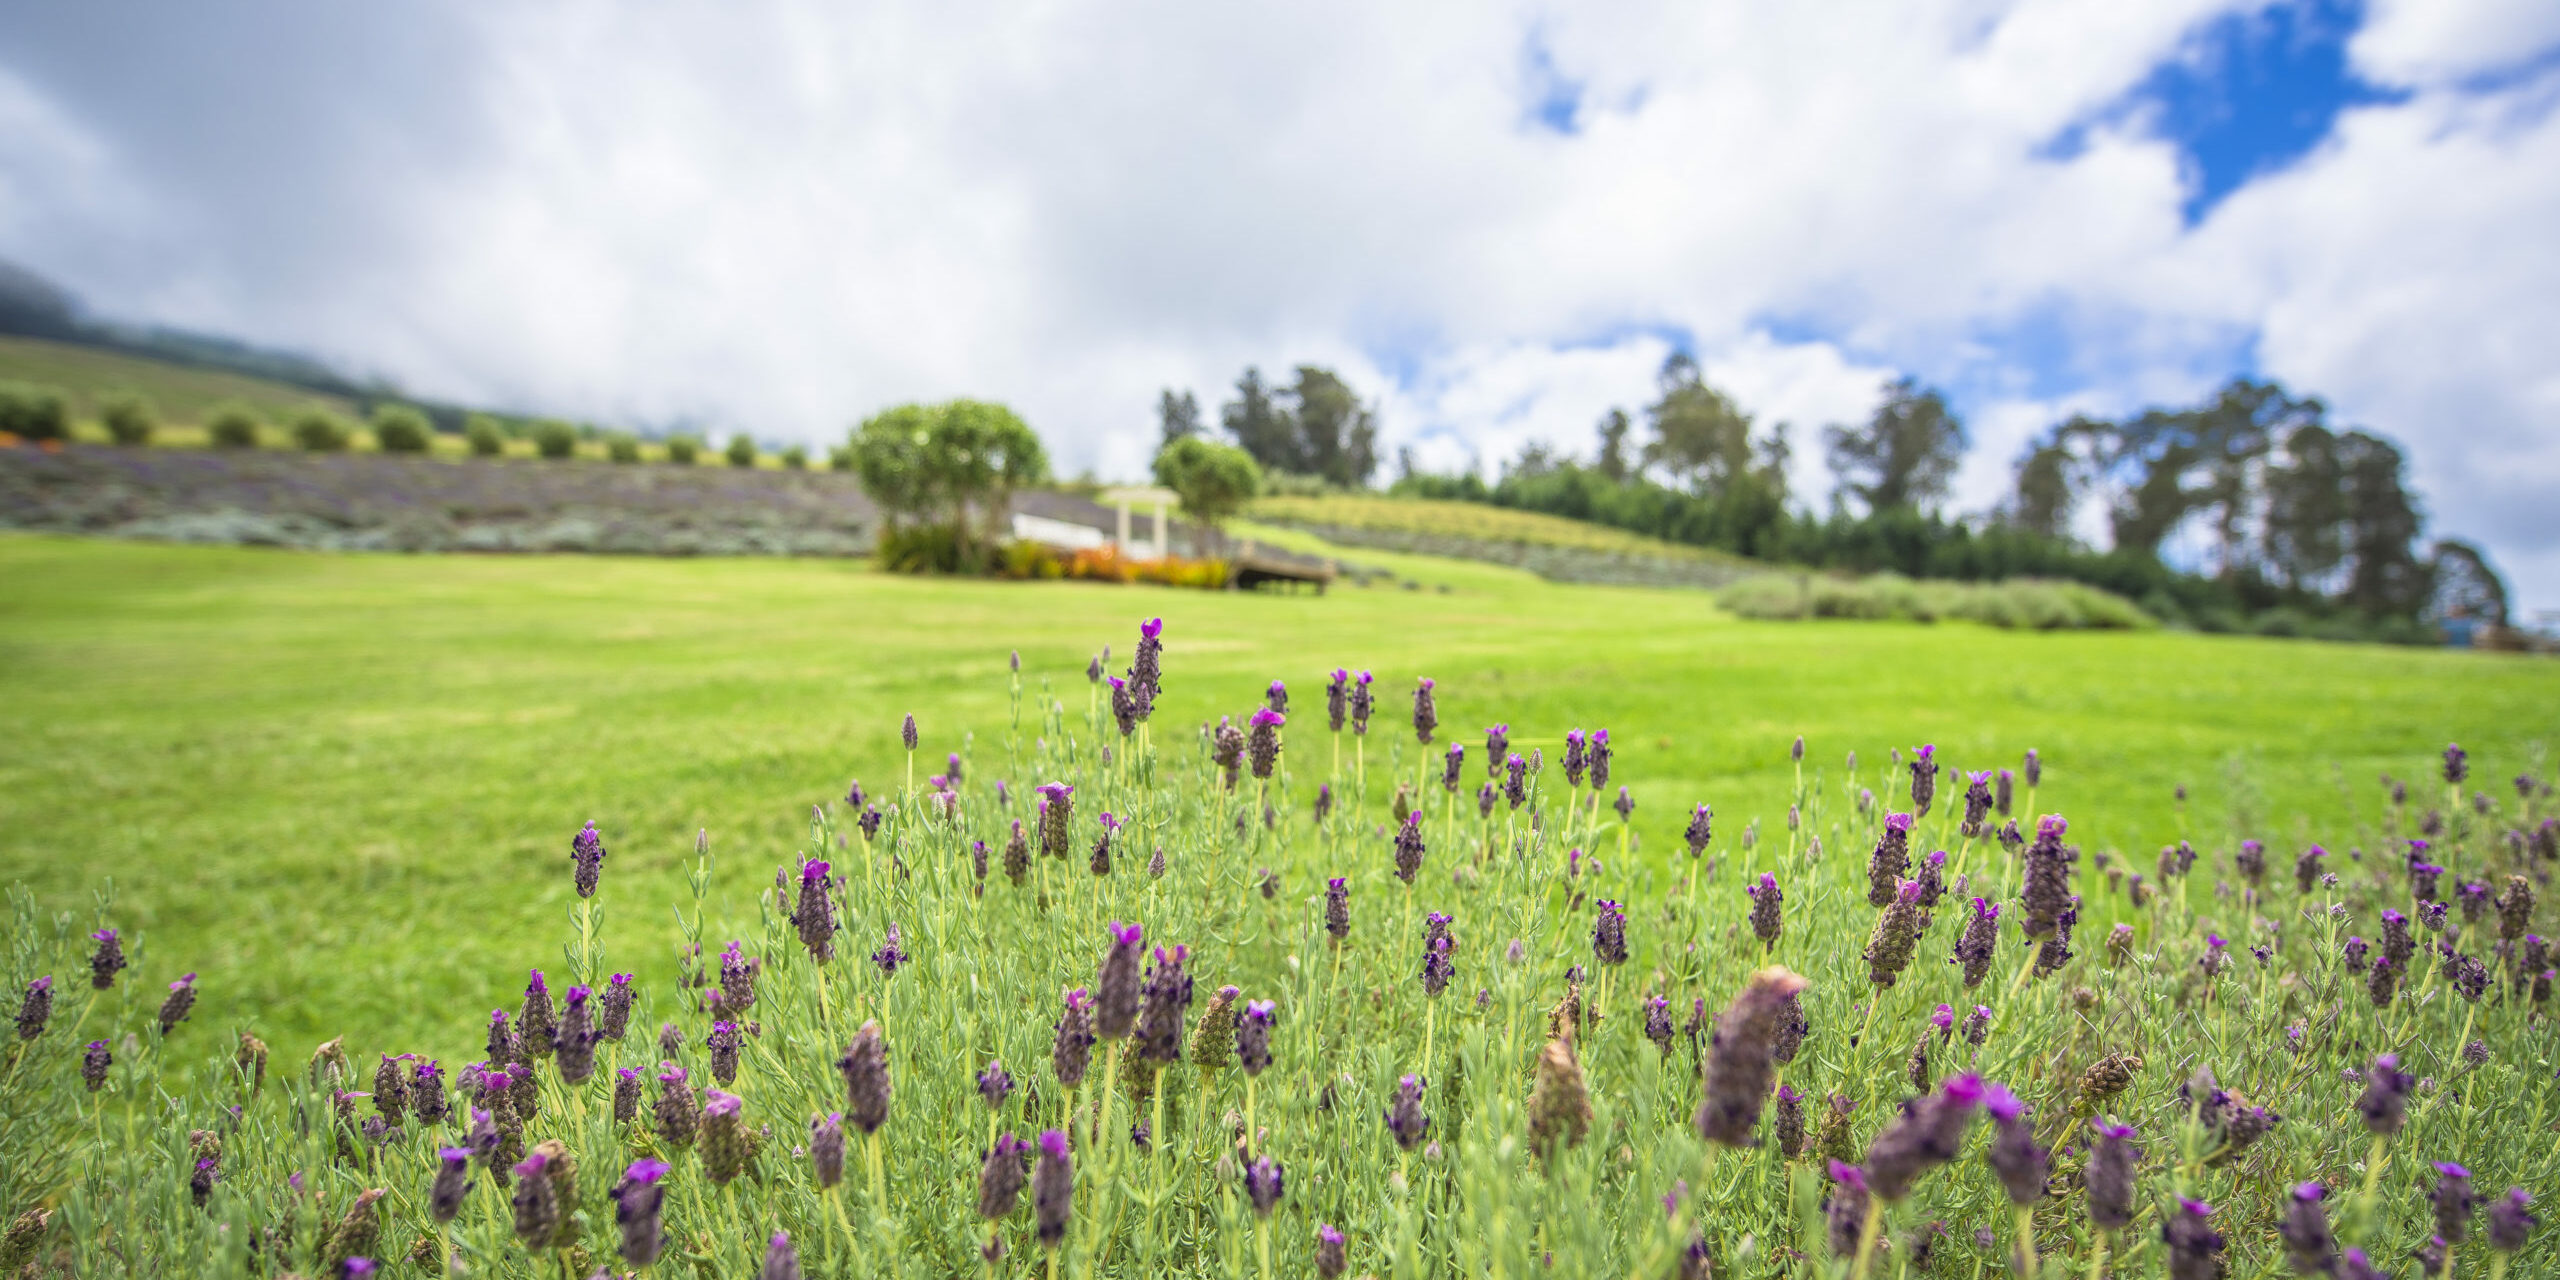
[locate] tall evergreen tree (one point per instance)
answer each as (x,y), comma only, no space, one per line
(1701,438)
(1904,456)
(1177,415)
(2386,579)
(1261,425)
(1337,436)
(1613,446)
(2306,509)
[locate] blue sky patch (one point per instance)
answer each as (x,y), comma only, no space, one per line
(2246,95)
(1553,100)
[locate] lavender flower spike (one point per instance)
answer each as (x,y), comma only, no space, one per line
(586,855)
(1426,712)
(1741,1056)
(1116,987)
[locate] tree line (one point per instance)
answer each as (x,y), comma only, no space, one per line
(2304,524)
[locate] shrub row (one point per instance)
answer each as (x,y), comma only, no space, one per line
(2019,603)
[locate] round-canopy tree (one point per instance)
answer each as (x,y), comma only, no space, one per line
(1213,480)
(951,468)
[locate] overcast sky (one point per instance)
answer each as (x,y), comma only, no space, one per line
(1494,219)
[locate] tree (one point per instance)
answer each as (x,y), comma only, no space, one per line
(1700,436)
(1337,435)
(2466,585)
(1613,446)
(742,450)
(317,430)
(232,425)
(1904,456)
(555,439)
(1260,426)
(1177,415)
(954,464)
(130,418)
(1214,480)
(34,412)
(2306,509)
(486,437)
(2386,580)
(2044,491)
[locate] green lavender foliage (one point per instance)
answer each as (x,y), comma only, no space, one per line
(987,963)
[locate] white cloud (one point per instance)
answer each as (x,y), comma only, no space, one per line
(784,215)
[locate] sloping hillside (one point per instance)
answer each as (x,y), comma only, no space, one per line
(1550,546)
(183,394)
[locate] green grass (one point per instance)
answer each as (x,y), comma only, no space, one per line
(342,786)
(183,394)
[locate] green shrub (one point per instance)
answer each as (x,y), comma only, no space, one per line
(397,428)
(2019,603)
(840,458)
(130,418)
(622,446)
(682,450)
(233,426)
(319,431)
(34,412)
(1770,597)
(741,451)
(1214,480)
(555,439)
(933,547)
(795,458)
(486,438)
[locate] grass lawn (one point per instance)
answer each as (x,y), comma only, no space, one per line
(342,787)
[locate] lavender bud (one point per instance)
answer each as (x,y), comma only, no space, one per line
(1977,1025)
(107,960)
(537,1206)
(2515,908)
(1426,713)
(2306,867)
(2453,1201)
(1515,780)
(781,1261)
(1597,755)
(614,1015)
(575,1043)
(1166,1003)
(1657,1024)
(2195,1248)
(1924,779)
(2014,1155)
(1891,858)
(2108,1176)
(1053,1189)
(390,1090)
(1116,988)
(1001,1175)
(1609,934)
(1405,1120)
(1789,1122)
(1362,704)
(1253,1037)
(724,1043)
(1337,910)
(1574,758)
(826,1148)
(1740,1055)
(865,1065)
(1846,1211)
(891,954)
(1262,749)
(1977,802)
(2511,1221)
(1626,806)
(586,858)
(1437,966)
(1409,849)
(426,1092)
(1700,831)
(1979,943)
(814,916)
(2385,1102)
(35,1009)
(907,731)
(452,1183)
(1330,1261)
(1929,1133)
(1560,1104)
(2456,764)
(1897,932)
(2046,891)
(679,1114)
(626,1095)
(2308,1243)
(636,1205)
(1072,1052)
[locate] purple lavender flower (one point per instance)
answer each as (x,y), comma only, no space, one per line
(724,1043)
(575,1042)
(1789,1122)
(2308,1243)
(1929,1133)
(1932,880)
(2385,1102)
(814,916)
(1253,1037)
(737,980)
(1740,1059)
(2457,764)
(891,954)
(626,1095)
(1497,744)
(636,1205)
(537,1202)
(1165,1004)
(1330,1261)
(1116,987)
(678,1115)
(865,1066)
(781,1261)
(995,1084)
(1609,934)
(1337,698)
(2195,1248)
(1891,858)
(1409,848)
(1515,780)
(2453,1201)
(1768,903)
(1362,704)
(1437,968)
(1846,1211)
(1484,801)
(2306,867)
(2045,892)
(1657,1023)
(1426,712)
(1337,910)
(2511,1220)
(1053,1189)
(1897,932)
(107,960)
(1924,778)
(1626,805)
(1000,1177)
(36,1008)
(2108,1177)
(826,1148)
(2422,881)
(181,1001)
(1072,1053)
(2397,945)
(1263,1185)
(452,1183)
(1977,1025)
(1978,944)
(1124,706)
(1700,831)
(586,856)
(1057,808)
(1575,761)
(2021,1164)
(1262,748)
(1977,802)
(1405,1120)
(1598,754)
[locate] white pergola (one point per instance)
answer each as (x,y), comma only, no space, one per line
(1162,500)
